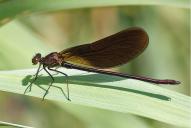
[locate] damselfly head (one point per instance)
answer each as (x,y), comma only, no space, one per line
(36,59)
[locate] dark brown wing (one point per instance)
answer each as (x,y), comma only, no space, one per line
(111,51)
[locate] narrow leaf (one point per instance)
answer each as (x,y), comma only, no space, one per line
(107,92)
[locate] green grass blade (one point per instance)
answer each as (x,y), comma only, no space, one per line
(107,92)
(11,8)
(2,123)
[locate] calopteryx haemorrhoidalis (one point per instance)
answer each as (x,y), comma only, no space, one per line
(108,52)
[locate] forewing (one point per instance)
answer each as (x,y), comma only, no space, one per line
(111,51)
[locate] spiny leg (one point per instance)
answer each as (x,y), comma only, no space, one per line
(56,72)
(36,76)
(68,97)
(49,84)
(41,87)
(61,91)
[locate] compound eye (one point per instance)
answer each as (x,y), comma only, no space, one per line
(36,58)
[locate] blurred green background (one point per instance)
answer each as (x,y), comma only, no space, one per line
(167,56)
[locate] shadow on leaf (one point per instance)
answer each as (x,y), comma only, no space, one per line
(89,80)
